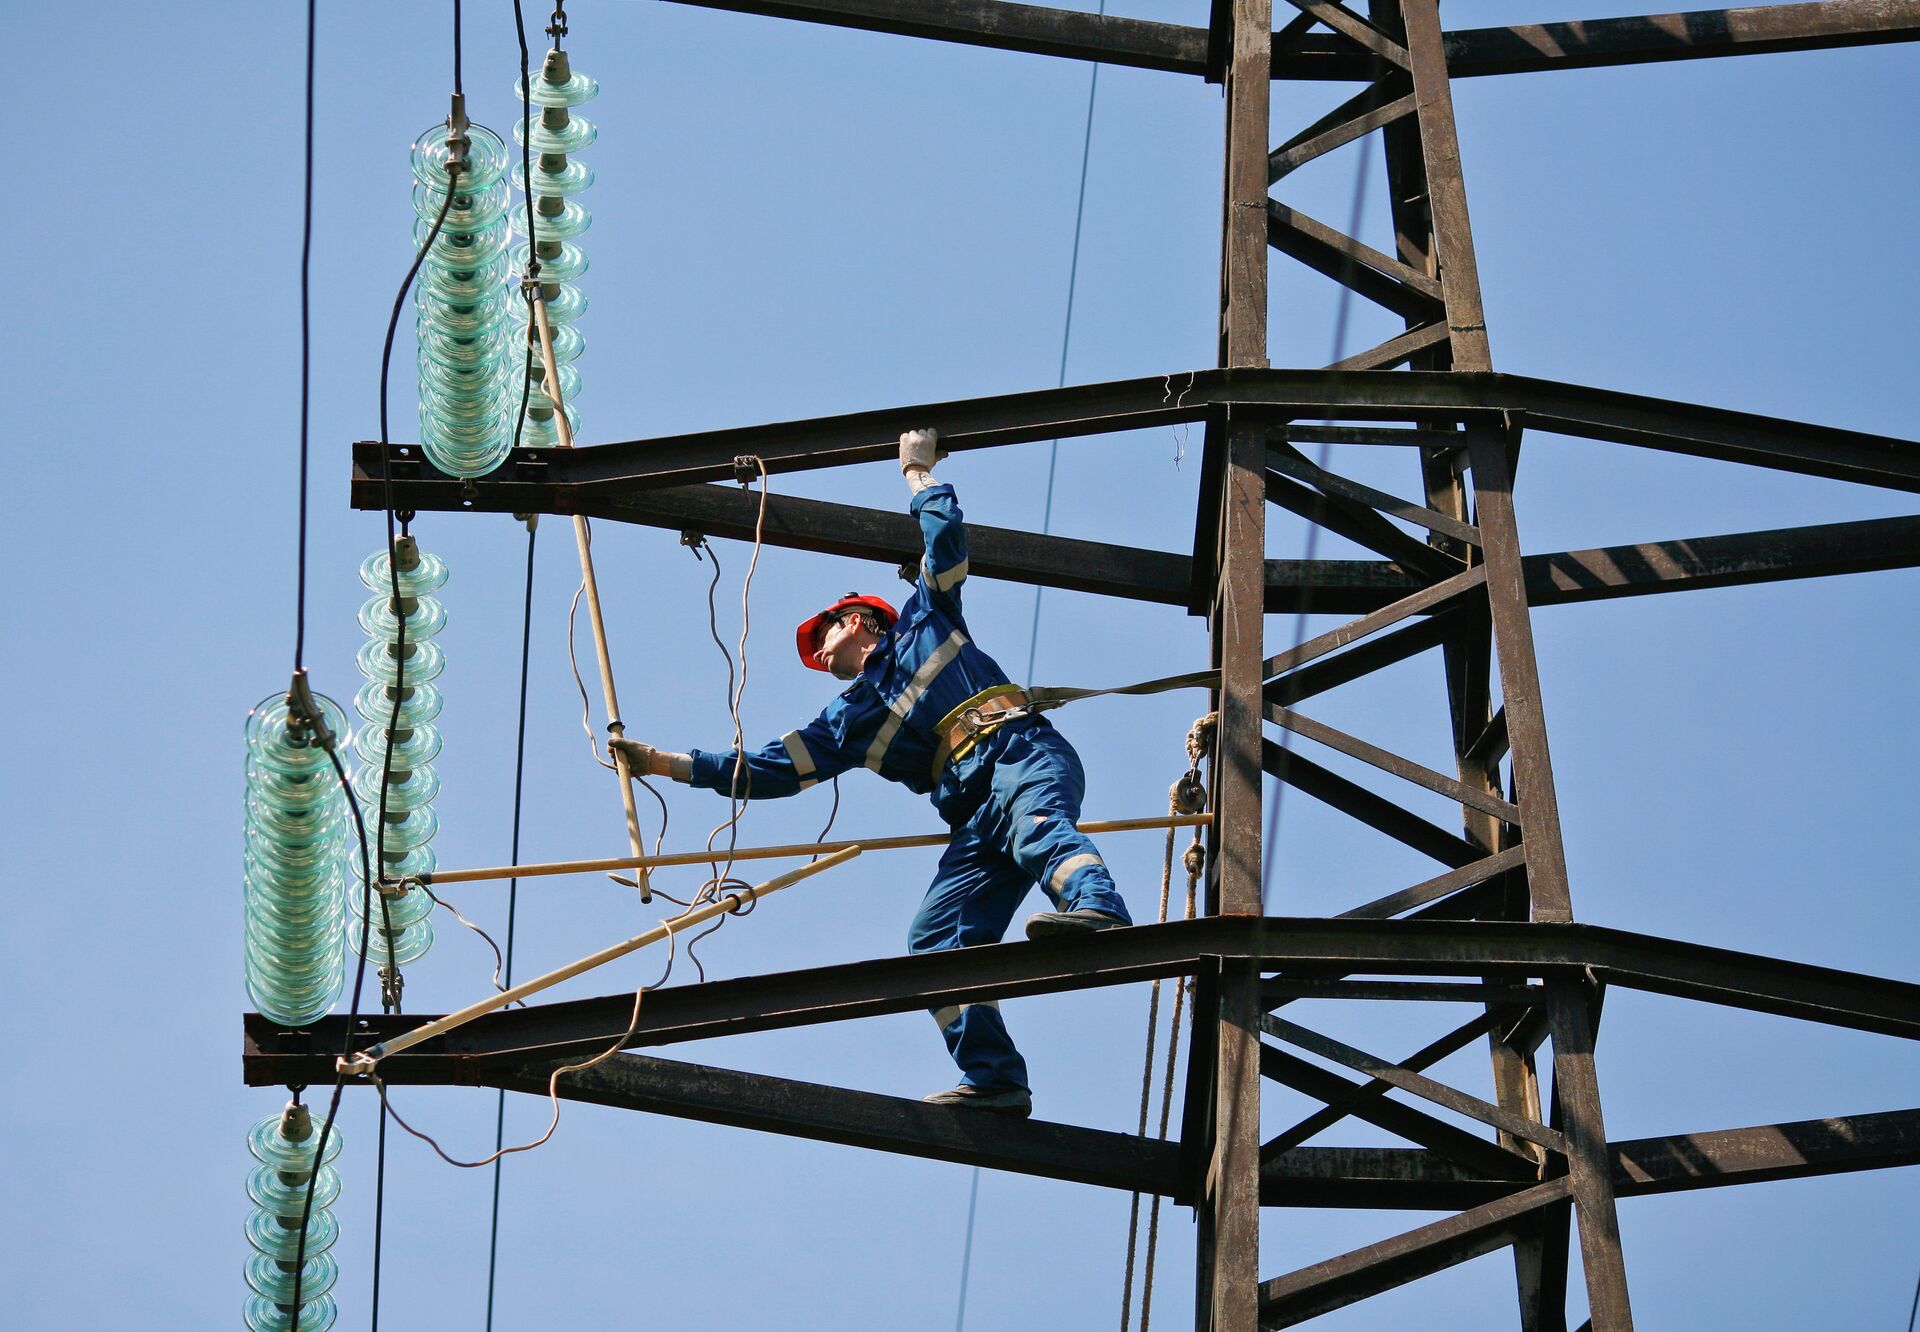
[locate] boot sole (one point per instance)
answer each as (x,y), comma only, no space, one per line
(1054,929)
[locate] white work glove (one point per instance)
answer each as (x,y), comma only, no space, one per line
(643,760)
(920,449)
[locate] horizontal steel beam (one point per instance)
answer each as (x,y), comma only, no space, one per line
(1734,560)
(1346,1177)
(1684,36)
(1335,587)
(561,481)
(1375,1178)
(1004,26)
(1641,39)
(276,1055)
(1472,52)
(1807,1147)
(889,537)
(860,1119)
(1412,1179)
(895,538)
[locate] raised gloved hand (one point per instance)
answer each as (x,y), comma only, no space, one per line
(920,449)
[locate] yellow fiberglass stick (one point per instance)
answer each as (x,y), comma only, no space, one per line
(365,1061)
(442,877)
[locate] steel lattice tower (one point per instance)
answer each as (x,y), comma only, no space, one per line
(1495,928)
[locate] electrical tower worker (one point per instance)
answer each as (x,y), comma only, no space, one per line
(927,708)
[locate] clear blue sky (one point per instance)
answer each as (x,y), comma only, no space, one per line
(792,221)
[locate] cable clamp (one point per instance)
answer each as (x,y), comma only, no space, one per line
(746,468)
(391,889)
(693,540)
(457,141)
(391,984)
(303,714)
(359,1064)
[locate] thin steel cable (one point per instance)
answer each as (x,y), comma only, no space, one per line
(513,885)
(360,826)
(737,694)
(499,958)
(966,1253)
(1272,831)
(1046,525)
(722,876)
(709,891)
(553,1096)
(1066,338)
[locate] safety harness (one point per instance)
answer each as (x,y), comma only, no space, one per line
(990,709)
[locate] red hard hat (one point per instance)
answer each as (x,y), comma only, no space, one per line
(806,637)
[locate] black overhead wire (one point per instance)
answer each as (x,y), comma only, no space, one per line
(530,271)
(513,893)
(379,1215)
(1046,525)
(1272,830)
(1347,267)
(306,359)
(1341,311)
(360,827)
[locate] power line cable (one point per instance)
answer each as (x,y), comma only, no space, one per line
(379,1212)
(1046,525)
(513,892)
(526,627)
(1341,311)
(359,821)
(306,359)
(1066,337)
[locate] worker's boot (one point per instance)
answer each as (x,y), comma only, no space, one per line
(1059,924)
(1015,1101)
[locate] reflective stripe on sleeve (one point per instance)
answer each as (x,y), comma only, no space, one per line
(947,581)
(802,760)
(1058,880)
(901,706)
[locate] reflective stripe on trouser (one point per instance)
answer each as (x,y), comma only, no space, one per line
(1021,835)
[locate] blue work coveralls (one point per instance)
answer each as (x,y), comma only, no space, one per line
(1012,801)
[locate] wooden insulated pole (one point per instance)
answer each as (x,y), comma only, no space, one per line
(584,543)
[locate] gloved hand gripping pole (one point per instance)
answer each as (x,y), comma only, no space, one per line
(366,1060)
(616,729)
